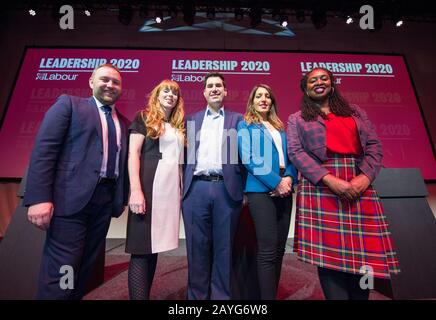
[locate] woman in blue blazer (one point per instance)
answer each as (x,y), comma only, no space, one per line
(270,177)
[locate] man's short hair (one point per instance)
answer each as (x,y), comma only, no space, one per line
(109,65)
(214,74)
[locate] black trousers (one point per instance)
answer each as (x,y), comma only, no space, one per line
(338,285)
(271,217)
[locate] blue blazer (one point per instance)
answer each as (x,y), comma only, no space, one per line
(260,156)
(67,155)
(233,171)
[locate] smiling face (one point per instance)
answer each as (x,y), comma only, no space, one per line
(214,92)
(106,85)
(318,85)
(262,102)
(168,98)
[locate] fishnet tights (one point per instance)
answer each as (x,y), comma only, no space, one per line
(141,274)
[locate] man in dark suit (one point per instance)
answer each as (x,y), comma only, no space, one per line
(76,182)
(213,192)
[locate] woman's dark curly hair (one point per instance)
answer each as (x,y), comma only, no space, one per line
(338,105)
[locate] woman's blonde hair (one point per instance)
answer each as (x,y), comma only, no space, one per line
(154,116)
(252,116)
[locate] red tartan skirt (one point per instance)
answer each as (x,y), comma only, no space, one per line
(340,234)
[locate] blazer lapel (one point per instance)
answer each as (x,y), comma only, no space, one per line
(358,123)
(227,123)
(284,147)
(199,117)
(96,118)
(124,136)
(360,131)
(321,120)
(266,134)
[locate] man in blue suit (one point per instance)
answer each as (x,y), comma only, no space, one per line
(77,181)
(213,193)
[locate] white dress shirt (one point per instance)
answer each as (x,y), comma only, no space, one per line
(277,138)
(209,153)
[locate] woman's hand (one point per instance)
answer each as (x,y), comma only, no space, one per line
(342,188)
(137,202)
(283,189)
(360,183)
(289,180)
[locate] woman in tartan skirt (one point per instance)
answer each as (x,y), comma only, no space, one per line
(340,224)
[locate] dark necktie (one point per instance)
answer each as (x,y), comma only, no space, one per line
(111,143)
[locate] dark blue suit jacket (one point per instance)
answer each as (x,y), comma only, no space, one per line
(67,156)
(233,170)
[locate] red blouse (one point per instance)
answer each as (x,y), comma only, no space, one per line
(341,135)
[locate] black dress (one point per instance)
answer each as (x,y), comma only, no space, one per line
(160,175)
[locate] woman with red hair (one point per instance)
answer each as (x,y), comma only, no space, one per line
(155,157)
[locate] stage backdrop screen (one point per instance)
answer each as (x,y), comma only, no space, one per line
(380,84)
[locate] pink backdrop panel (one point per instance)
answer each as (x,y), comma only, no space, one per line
(377,83)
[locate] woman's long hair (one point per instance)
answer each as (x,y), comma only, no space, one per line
(310,110)
(154,116)
(252,116)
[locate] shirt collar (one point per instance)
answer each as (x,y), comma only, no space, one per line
(99,104)
(213,113)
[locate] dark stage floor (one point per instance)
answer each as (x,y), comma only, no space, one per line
(299,281)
